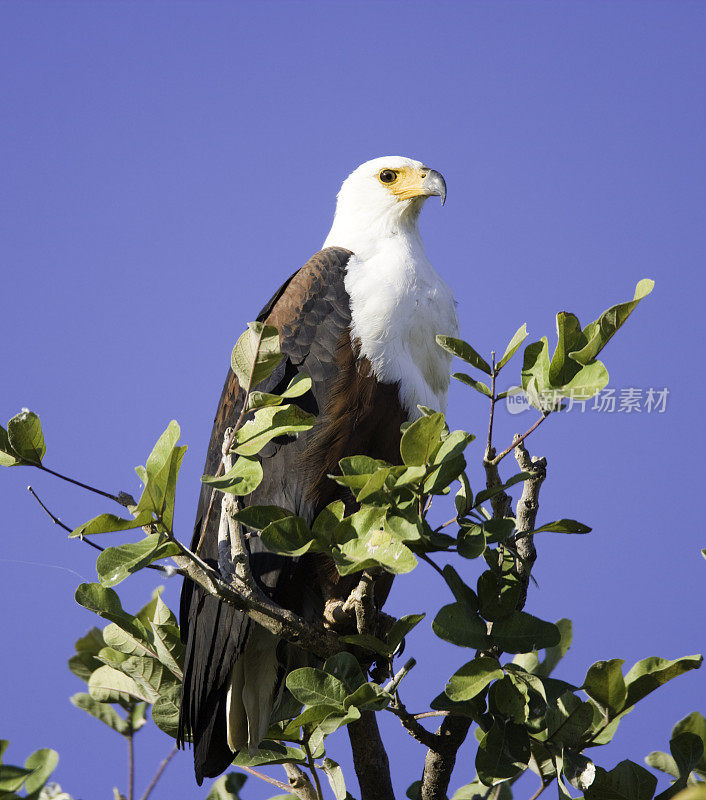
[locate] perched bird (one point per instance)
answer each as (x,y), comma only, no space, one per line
(360,319)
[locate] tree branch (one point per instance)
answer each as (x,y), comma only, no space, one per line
(299,783)
(370,760)
(526,514)
(441,758)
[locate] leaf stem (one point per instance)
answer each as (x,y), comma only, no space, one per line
(160,769)
(78,483)
(519,439)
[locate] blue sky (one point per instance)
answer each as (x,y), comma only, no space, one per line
(167,165)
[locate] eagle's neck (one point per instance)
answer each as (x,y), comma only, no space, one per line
(399,303)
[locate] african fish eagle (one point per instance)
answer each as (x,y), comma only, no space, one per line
(360,319)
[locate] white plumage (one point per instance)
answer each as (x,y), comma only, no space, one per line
(398,300)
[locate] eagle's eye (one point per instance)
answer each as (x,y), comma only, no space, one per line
(387,175)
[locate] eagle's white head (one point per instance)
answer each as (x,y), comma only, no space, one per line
(382,198)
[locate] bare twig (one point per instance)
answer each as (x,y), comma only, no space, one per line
(493,401)
(158,774)
(78,483)
(393,683)
(272,781)
(519,439)
(57,521)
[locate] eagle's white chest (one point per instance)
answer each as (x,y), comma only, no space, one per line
(399,304)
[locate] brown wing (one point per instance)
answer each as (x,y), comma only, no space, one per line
(355,414)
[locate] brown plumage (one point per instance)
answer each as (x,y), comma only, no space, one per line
(356,414)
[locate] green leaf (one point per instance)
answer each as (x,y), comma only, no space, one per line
(87,647)
(114,564)
(165,711)
(626,781)
(568,719)
(471,540)
(606,685)
(498,597)
(687,752)
(563,526)
(299,385)
(394,638)
(228,787)
(406,526)
(374,548)
(269,423)
(486,494)
(553,655)
(696,724)
(663,762)
(535,369)
(421,439)
(241,479)
(464,351)
(106,603)
(521,633)
(327,521)
(8,457)
(101,711)
(345,667)
(513,346)
(459,624)
(149,674)
(335,778)
(314,687)
(510,699)
(259,517)
(464,496)
(462,592)
(109,523)
(472,678)
(269,753)
(586,383)
(563,368)
(651,673)
(25,436)
(109,685)
(289,536)
(41,763)
(503,752)
(12,778)
(479,386)
(599,333)
(256,354)
(368,697)
(579,770)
